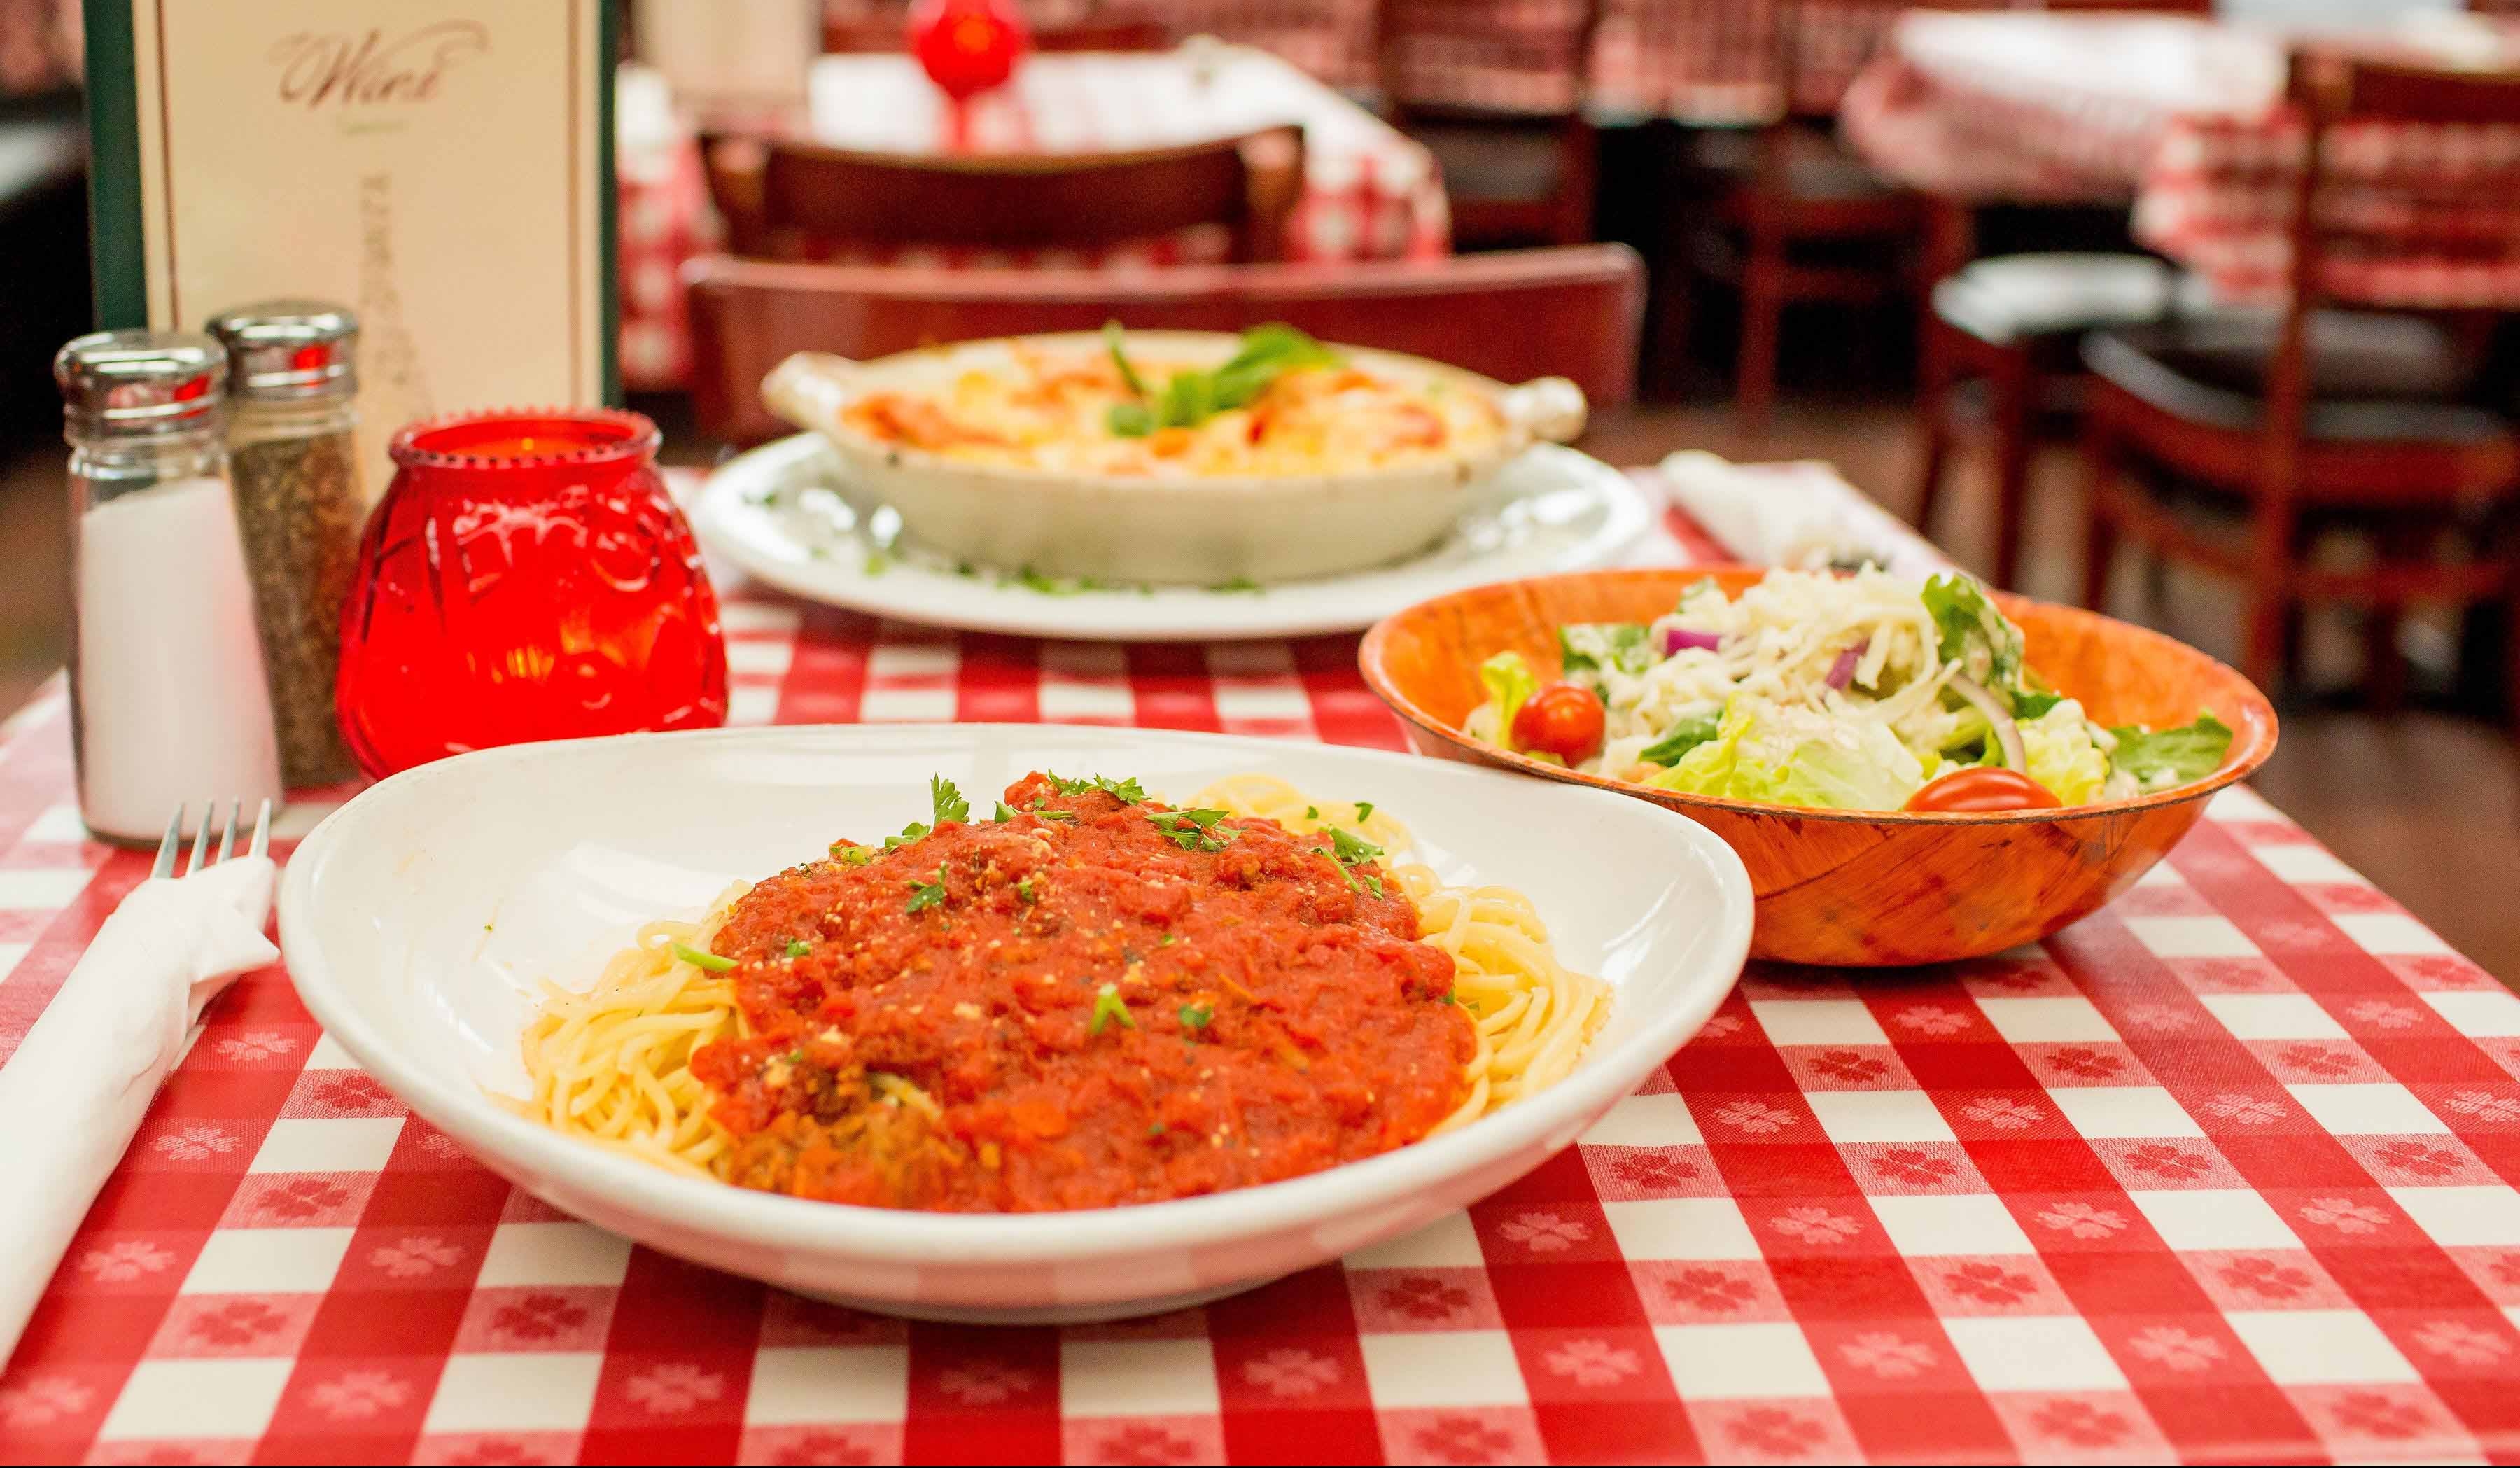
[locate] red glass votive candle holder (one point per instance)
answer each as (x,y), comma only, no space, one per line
(525,577)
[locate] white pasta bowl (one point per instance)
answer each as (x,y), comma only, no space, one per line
(420,919)
(1197,531)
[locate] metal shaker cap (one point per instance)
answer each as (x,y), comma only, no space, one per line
(289,350)
(141,385)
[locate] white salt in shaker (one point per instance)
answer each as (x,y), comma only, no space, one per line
(167,702)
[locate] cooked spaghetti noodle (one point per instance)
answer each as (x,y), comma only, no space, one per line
(614,1063)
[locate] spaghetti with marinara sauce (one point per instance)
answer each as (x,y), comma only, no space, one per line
(1091,998)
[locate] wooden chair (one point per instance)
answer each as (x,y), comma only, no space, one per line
(2320,418)
(1495,90)
(1513,315)
(783,200)
(1797,194)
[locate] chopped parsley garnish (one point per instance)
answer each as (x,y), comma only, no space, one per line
(1193,830)
(1365,809)
(1237,585)
(926,895)
(854,856)
(877,562)
(1028,891)
(948,801)
(1168,940)
(1050,586)
(1197,1016)
(699,958)
(1108,1007)
(1127,791)
(909,834)
(798,948)
(1312,813)
(1351,850)
(1005,814)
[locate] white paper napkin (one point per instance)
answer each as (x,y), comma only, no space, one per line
(79,1085)
(1801,515)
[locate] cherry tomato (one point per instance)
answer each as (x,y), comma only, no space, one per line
(1986,788)
(1565,719)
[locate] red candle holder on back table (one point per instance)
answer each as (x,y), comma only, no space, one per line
(966,47)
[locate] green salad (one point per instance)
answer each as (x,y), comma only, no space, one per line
(1860,692)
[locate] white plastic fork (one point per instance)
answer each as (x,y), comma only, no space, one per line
(171,845)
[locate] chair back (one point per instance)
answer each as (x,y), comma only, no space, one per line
(1518,58)
(794,201)
(2445,207)
(1514,315)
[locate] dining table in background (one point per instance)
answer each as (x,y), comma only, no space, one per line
(1369,194)
(2223,1172)
(2183,119)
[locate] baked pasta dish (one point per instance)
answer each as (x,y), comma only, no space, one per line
(1284,405)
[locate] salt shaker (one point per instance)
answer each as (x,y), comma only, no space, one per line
(168,700)
(293,459)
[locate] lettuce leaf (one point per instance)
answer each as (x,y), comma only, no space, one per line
(1798,757)
(2062,755)
(1682,737)
(1982,639)
(2172,756)
(1509,682)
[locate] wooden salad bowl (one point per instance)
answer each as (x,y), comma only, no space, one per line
(1859,887)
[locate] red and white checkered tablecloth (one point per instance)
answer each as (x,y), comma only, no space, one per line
(2225,1172)
(1369,192)
(2185,118)
(1715,62)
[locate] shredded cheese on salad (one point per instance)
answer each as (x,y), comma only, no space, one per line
(1850,691)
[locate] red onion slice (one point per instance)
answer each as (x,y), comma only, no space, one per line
(2007,737)
(1674,639)
(1842,672)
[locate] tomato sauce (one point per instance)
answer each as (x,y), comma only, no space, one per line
(1098,1001)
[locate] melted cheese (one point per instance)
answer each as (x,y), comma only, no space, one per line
(1050,412)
